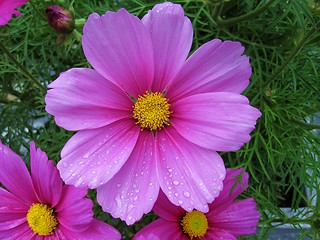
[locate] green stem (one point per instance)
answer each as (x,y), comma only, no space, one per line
(218,11)
(291,221)
(23,69)
(310,126)
(295,51)
(41,15)
(247,16)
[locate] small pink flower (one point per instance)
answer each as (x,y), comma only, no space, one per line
(148,117)
(8,8)
(227,219)
(39,206)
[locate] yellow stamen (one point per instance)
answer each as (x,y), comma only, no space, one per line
(151,111)
(41,219)
(195,224)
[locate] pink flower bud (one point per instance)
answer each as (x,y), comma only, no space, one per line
(60,19)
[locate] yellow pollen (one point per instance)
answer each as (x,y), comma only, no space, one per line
(195,224)
(152,111)
(41,219)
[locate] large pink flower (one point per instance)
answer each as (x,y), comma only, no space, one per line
(39,206)
(227,219)
(8,8)
(147,117)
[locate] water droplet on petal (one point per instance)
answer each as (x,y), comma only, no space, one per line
(186,194)
(180,202)
(175,182)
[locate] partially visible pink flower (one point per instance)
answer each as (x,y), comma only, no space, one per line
(227,219)
(39,206)
(148,117)
(8,8)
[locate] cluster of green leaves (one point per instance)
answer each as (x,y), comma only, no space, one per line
(282,40)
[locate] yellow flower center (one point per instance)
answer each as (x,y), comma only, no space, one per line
(195,224)
(41,219)
(152,111)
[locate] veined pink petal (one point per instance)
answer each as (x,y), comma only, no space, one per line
(161,229)
(119,47)
(96,230)
(92,157)
(218,234)
(45,177)
(134,189)
(22,231)
(219,121)
(226,197)
(74,211)
(240,218)
(81,98)
(166,210)
(215,67)
(7,9)
(12,210)
(171,34)
(189,175)
(15,176)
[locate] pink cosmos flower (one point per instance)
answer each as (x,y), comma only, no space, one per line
(8,8)
(38,206)
(148,117)
(227,219)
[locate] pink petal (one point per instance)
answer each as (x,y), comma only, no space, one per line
(226,197)
(74,211)
(96,230)
(93,157)
(7,9)
(82,99)
(12,210)
(15,176)
(215,67)
(218,234)
(119,47)
(134,189)
(240,218)
(166,210)
(171,34)
(23,231)
(218,121)
(161,229)
(45,177)
(189,175)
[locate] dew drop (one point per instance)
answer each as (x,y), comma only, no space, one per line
(180,202)
(65,164)
(87,155)
(186,194)
(176,194)
(175,182)
(170,169)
